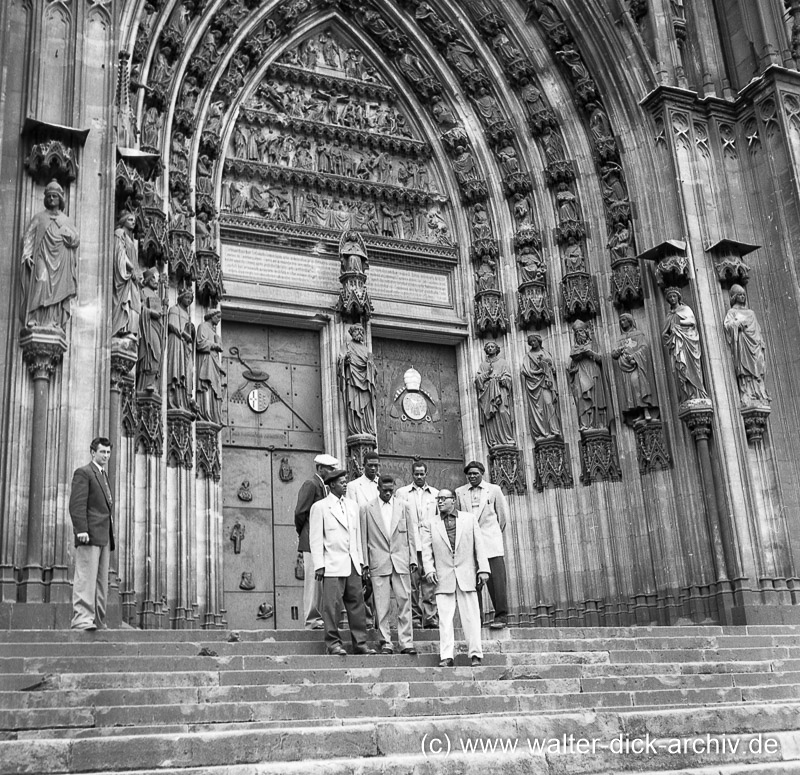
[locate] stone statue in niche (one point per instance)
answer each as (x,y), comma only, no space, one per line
(151,332)
(523,216)
(205,232)
(619,243)
(246,583)
(532,268)
(682,339)
(481,225)
(746,342)
(443,115)
(151,128)
(353,253)
(49,264)
(587,380)
(509,162)
(265,611)
(494,385)
(574,260)
(486,275)
(635,376)
(210,374)
(356,374)
(127,302)
(553,145)
(541,392)
(464,165)
(180,343)
(567,207)
(614,191)
(237,536)
(488,108)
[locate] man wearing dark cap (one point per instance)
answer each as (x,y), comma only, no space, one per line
(490,507)
(311,491)
(335,541)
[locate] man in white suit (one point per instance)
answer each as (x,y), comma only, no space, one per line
(390,553)
(455,561)
(490,507)
(335,540)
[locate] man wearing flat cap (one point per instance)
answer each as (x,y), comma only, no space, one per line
(311,491)
(490,507)
(336,551)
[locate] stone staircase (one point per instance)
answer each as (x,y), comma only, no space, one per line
(694,700)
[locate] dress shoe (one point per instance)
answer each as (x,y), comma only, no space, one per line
(417,625)
(387,650)
(319,626)
(409,650)
(476,661)
(337,651)
(432,625)
(365,650)
(446,663)
(86,627)
(497,624)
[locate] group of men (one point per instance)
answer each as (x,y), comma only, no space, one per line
(432,549)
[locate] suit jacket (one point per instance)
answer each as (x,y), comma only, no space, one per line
(91,506)
(384,552)
(492,514)
(362,491)
(454,567)
(335,536)
(417,514)
(311,491)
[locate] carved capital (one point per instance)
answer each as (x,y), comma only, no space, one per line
(208,456)
(517,183)
(153,244)
(209,288)
(490,313)
(671,263)
(123,358)
(179,438)
(534,308)
(181,255)
(755,422)
(507,469)
(599,460)
(579,296)
(52,151)
(652,451)
(560,171)
(626,283)
(484,248)
(354,303)
(42,350)
(728,256)
(150,428)
(698,414)
(552,462)
(527,235)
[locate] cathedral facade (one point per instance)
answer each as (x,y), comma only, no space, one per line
(554,236)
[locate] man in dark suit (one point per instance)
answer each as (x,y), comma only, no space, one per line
(91,508)
(311,491)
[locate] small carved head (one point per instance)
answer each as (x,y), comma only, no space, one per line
(626,322)
(54,196)
(491,348)
(356,332)
(673,296)
(534,341)
(737,295)
(581,332)
(126,220)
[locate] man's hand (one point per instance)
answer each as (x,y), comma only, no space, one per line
(412,567)
(482,579)
(319,574)
(432,578)
(83,538)
(365,571)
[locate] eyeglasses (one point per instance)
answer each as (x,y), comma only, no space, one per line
(445,497)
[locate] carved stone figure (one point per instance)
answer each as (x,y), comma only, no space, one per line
(486,275)
(541,393)
(682,339)
(619,243)
(481,225)
(635,377)
(588,380)
(180,341)
(49,264)
(532,268)
(443,115)
(246,583)
(237,536)
(553,145)
(356,374)
(522,211)
(210,374)
(613,188)
(151,333)
(746,342)
(494,385)
(461,55)
(127,302)
(488,107)
(567,208)
(464,165)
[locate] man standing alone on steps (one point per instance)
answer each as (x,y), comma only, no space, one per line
(91,507)
(311,491)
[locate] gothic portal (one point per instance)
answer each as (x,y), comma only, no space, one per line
(556,236)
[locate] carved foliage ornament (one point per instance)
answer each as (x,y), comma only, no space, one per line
(552,462)
(508,470)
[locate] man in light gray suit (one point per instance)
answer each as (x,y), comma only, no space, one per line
(455,561)
(390,553)
(490,507)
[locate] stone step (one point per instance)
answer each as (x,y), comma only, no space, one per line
(377,742)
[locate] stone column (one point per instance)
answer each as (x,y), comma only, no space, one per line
(42,350)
